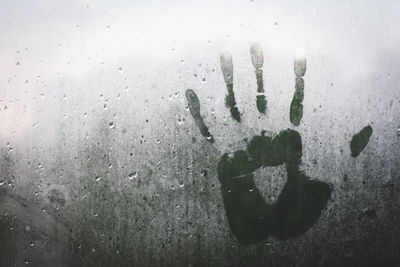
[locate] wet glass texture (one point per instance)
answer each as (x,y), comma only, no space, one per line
(199,133)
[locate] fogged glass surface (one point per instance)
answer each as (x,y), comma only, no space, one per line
(199,133)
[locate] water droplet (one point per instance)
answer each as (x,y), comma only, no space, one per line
(26,261)
(27,228)
(120,69)
(111,125)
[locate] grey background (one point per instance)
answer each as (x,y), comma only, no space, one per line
(102,164)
